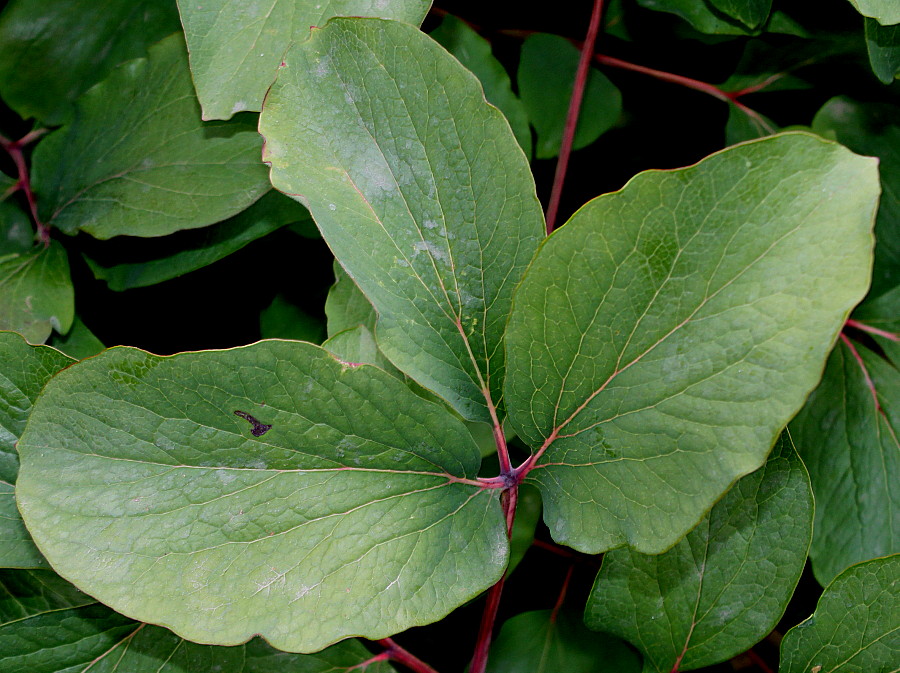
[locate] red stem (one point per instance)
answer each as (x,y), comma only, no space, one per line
(552,548)
(562,594)
(396,653)
(865,371)
(14,149)
(565,150)
(758,660)
(872,330)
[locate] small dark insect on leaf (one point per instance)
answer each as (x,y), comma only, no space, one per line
(259,429)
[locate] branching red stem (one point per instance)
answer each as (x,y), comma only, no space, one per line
(855,324)
(862,365)
(14,149)
(565,150)
(394,652)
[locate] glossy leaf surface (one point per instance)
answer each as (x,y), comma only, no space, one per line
(854,628)
(335,502)
(136,159)
(851,448)
(420,190)
(723,587)
(662,338)
(52,51)
(546,76)
(236,46)
(36,295)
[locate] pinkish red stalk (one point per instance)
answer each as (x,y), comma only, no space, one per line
(394,652)
(14,149)
(565,150)
(862,365)
(562,594)
(855,324)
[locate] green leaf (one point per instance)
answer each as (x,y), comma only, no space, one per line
(36,295)
(723,587)
(418,187)
(16,231)
(546,76)
(52,51)
(854,628)
(474,52)
(662,338)
(79,342)
(346,306)
(284,320)
(883,43)
(357,346)
(352,511)
(541,641)
(886,12)
(872,130)
(751,13)
(137,160)
(26,593)
(883,312)
(236,48)
(700,15)
(742,126)
(850,447)
(198,248)
(16,548)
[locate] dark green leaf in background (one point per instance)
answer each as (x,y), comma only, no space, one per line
(659,358)
(283,320)
(236,47)
(751,13)
(474,52)
(352,511)
(419,189)
(79,342)
(26,593)
(850,447)
(199,248)
(723,587)
(701,16)
(854,628)
(52,51)
(883,43)
(547,642)
(742,126)
(16,230)
(546,76)
(346,306)
(36,294)
(357,346)
(136,159)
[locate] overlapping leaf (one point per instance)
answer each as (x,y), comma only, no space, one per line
(346,307)
(854,628)
(705,16)
(723,587)
(419,189)
(849,442)
(664,336)
(52,51)
(269,489)
(36,295)
(236,46)
(883,43)
(136,159)
(751,13)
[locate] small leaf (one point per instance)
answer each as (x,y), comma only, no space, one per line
(16,231)
(746,125)
(883,43)
(236,48)
(284,320)
(541,641)
(52,51)
(854,628)
(886,12)
(474,52)
(751,13)
(723,587)
(662,338)
(546,77)
(420,190)
(346,306)
(79,342)
(36,295)
(198,248)
(850,447)
(355,513)
(137,160)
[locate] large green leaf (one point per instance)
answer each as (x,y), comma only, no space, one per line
(854,628)
(545,640)
(883,43)
(137,160)
(419,188)
(546,76)
(872,130)
(52,51)
(36,294)
(723,587)
(850,447)
(664,336)
(751,13)
(198,248)
(265,490)
(474,52)
(886,12)
(236,46)
(283,320)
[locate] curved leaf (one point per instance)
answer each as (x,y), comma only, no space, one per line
(264,490)
(137,160)
(36,294)
(751,13)
(662,338)
(886,12)
(854,628)
(723,587)
(883,43)
(236,46)
(418,187)
(52,51)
